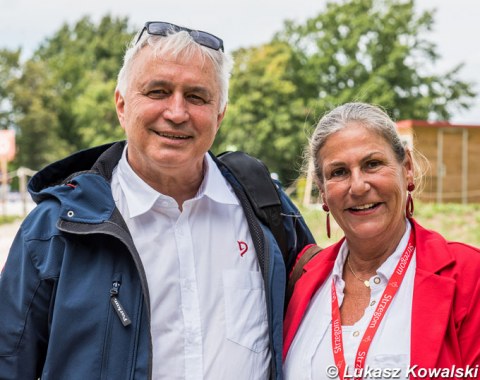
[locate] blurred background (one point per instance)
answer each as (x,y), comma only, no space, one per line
(420,60)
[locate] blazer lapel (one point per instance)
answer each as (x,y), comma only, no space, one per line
(432,298)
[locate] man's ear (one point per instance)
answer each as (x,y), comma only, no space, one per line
(220,117)
(120,107)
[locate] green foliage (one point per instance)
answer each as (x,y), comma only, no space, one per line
(356,50)
(94,110)
(62,100)
(9,65)
(375,51)
(265,116)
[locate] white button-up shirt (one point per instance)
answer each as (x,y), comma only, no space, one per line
(311,356)
(208,309)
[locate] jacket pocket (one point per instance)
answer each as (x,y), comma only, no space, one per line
(245,309)
(116,316)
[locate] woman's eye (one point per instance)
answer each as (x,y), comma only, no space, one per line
(373,164)
(337,172)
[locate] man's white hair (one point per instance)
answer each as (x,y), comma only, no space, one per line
(181,46)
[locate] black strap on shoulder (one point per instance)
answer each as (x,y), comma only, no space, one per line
(261,191)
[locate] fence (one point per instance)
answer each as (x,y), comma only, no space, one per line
(9,206)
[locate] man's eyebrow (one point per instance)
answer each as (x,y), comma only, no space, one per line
(156,83)
(187,88)
(199,89)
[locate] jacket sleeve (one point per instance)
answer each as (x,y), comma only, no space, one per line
(298,233)
(24,309)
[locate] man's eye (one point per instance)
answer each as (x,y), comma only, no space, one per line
(157,94)
(196,99)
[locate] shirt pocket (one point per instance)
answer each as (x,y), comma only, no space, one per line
(245,309)
(393,366)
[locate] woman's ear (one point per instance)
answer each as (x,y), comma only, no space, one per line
(409,166)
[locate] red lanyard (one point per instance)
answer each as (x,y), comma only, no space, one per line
(387,297)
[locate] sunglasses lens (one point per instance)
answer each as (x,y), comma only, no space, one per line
(164,28)
(207,40)
(159,28)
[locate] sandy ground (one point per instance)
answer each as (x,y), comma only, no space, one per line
(13,207)
(7,234)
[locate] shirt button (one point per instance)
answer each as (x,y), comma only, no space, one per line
(164,203)
(373,303)
(356,333)
(377,280)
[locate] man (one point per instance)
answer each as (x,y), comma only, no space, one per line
(140,261)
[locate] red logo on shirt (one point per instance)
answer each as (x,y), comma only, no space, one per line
(243,247)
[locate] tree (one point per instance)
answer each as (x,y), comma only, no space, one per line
(375,51)
(364,50)
(9,67)
(266,116)
(33,99)
(63,97)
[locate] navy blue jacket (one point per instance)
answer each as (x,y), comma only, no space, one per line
(73,293)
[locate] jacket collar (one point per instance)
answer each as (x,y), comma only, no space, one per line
(78,182)
(100,160)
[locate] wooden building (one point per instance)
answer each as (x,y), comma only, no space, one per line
(453,153)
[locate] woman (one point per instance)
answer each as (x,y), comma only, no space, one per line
(391,299)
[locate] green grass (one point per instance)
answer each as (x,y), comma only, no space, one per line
(455,222)
(6,219)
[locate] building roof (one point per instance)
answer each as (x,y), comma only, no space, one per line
(435,124)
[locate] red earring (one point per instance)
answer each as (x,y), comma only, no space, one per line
(327,210)
(409,207)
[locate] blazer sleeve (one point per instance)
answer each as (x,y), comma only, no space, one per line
(468,311)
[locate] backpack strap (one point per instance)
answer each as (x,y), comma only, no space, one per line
(297,270)
(261,192)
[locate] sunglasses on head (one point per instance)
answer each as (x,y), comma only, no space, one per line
(160,28)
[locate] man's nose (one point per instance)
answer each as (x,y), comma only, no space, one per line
(176,110)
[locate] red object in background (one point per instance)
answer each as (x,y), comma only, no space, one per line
(7,144)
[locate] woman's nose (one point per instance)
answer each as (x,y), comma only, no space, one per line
(358,184)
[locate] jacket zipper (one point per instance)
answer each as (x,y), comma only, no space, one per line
(117,306)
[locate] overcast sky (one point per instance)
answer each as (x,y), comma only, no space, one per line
(241,23)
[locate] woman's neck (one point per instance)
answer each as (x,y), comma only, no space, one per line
(367,255)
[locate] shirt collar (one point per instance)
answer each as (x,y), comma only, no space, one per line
(385,270)
(214,184)
(141,197)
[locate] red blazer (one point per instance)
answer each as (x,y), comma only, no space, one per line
(446,300)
